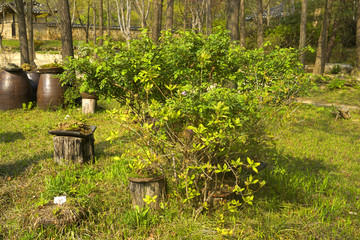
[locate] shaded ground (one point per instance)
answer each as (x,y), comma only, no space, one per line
(41,58)
(322,104)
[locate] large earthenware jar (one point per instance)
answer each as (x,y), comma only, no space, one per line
(50,93)
(15,89)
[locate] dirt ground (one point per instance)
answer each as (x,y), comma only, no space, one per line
(41,58)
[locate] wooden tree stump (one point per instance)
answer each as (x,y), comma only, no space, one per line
(70,149)
(142,187)
(88,102)
(88,106)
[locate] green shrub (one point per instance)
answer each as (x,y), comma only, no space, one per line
(336,84)
(196,105)
(335,69)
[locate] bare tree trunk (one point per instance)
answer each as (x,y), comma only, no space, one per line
(268,14)
(143,7)
(185,14)
(124,17)
(2,29)
(94,25)
(108,18)
(260,30)
(208,17)
(302,42)
(74,11)
(24,49)
(331,42)
(156,23)
(66,29)
(233,19)
(101,22)
(87,24)
(29,10)
(242,24)
(169,15)
(320,53)
(357,70)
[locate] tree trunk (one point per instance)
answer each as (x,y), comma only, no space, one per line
(233,19)
(260,30)
(185,14)
(331,41)
(156,24)
(24,49)
(302,42)
(320,53)
(2,29)
(87,25)
(169,15)
(242,24)
(66,30)
(94,26)
(208,17)
(29,10)
(108,18)
(101,22)
(357,70)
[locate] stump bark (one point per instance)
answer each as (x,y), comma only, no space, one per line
(142,187)
(70,149)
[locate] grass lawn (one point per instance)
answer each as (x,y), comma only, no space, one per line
(312,186)
(40,46)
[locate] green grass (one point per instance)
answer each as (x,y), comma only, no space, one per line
(312,189)
(43,45)
(337,89)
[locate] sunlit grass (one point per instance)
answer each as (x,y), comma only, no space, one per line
(312,189)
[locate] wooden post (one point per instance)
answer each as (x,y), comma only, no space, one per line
(88,106)
(142,187)
(70,149)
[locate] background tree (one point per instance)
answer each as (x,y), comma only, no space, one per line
(66,29)
(259,20)
(169,23)
(156,21)
(233,19)
(24,50)
(302,42)
(29,18)
(357,70)
(242,24)
(124,8)
(108,17)
(320,53)
(2,29)
(208,17)
(143,8)
(101,22)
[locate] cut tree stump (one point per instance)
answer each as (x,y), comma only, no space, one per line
(88,106)
(142,187)
(70,149)
(88,102)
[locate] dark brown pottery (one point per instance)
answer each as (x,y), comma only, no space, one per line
(50,93)
(15,89)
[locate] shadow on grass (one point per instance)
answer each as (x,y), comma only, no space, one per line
(112,148)
(294,180)
(15,168)
(8,137)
